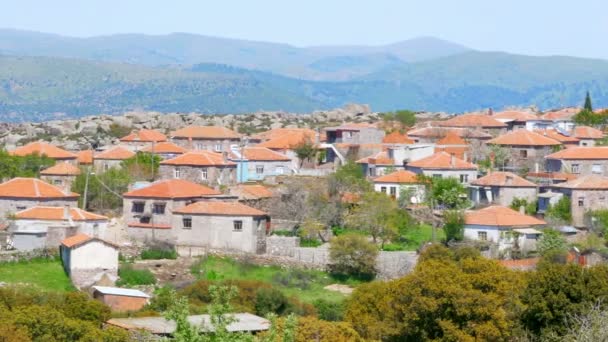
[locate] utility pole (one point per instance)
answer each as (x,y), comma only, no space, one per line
(86,189)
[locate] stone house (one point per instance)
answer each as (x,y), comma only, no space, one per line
(43,148)
(588,136)
(287,142)
(280,133)
(378,164)
(515,119)
(87,259)
(527,148)
(586,193)
(501,188)
(485,122)
(564,138)
(142,138)
(206,138)
(62,175)
(148,211)
(454,145)
(119,299)
(430,134)
(22,193)
(85,157)
(45,227)
(220,225)
(504,227)
(165,150)
(111,158)
(354,133)
(582,161)
(399,182)
(203,167)
(444,165)
(258,163)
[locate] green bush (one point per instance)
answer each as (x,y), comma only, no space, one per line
(130,277)
(329,311)
(270,300)
(393,247)
(283,233)
(354,255)
(310,243)
(297,278)
(155,253)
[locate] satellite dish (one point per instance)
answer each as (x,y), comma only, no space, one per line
(414,200)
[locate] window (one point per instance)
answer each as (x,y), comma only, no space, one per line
(280,170)
(57,181)
(581,201)
(176,173)
(238,226)
(187,222)
(159,208)
(383,189)
(597,169)
(393,191)
(204,174)
(576,168)
(106,167)
(259,169)
(483,236)
(583,143)
(138,207)
(218,147)
(437,175)
(523,153)
(20,208)
(144,219)
(464,178)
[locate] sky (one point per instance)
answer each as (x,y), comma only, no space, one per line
(533,27)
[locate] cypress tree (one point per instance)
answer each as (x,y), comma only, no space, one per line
(588,105)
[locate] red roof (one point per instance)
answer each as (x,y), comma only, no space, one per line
(591,182)
(397,138)
(586,132)
(145,135)
(506,179)
(440,132)
(380,158)
(206,132)
(57,214)
(219,208)
(401,176)
(565,114)
(552,175)
(115,153)
(263,154)
(451,138)
(43,148)
(501,217)
(33,188)
(523,137)
(554,134)
(80,239)
(85,157)
(164,147)
(61,169)
(514,115)
(148,225)
(442,160)
(172,188)
(581,153)
(251,191)
(282,132)
(472,120)
(199,158)
(287,141)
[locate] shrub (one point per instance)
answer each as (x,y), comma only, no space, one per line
(155,253)
(270,300)
(329,311)
(353,254)
(297,278)
(310,242)
(130,276)
(454,225)
(561,210)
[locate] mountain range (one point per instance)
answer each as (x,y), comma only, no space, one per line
(45,75)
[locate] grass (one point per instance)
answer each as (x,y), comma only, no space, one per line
(306,285)
(45,274)
(414,238)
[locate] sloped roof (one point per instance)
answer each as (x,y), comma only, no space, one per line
(401,176)
(515,115)
(219,208)
(352,126)
(501,217)
(57,214)
(581,153)
(523,137)
(206,132)
(61,169)
(552,175)
(554,134)
(442,160)
(263,154)
(440,132)
(586,132)
(591,182)
(165,147)
(397,138)
(286,141)
(506,179)
(472,120)
(33,188)
(172,188)
(117,291)
(85,157)
(43,148)
(145,135)
(115,153)
(251,191)
(281,132)
(380,158)
(80,239)
(451,138)
(562,114)
(199,158)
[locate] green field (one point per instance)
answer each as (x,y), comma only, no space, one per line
(44,274)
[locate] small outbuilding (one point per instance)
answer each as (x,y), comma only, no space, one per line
(119,299)
(87,259)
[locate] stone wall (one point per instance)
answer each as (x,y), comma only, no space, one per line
(14,255)
(282,245)
(215,175)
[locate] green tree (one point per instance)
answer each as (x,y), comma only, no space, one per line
(378,215)
(104,191)
(445,192)
(305,150)
(550,242)
(454,225)
(353,254)
(562,210)
(529,207)
(348,178)
(587,106)
(143,166)
(23,166)
(405,117)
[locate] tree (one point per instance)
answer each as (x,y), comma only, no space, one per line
(376,214)
(454,225)
(143,166)
(529,207)
(588,326)
(305,150)
(314,329)
(104,190)
(348,178)
(551,241)
(445,192)
(352,254)
(587,106)
(23,166)
(405,117)
(561,210)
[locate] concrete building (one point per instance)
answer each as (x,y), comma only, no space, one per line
(287,141)
(45,149)
(165,150)
(259,163)
(142,138)
(588,136)
(515,119)
(501,188)
(431,134)
(562,119)
(505,227)
(111,158)
(203,167)
(119,299)
(45,227)
(22,193)
(481,121)
(378,164)
(527,148)
(61,175)
(206,138)
(443,165)
(401,182)
(582,161)
(586,193)
(87,259)
(354,133)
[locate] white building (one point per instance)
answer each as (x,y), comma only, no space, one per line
(87,259)
(444,165)
(400,181)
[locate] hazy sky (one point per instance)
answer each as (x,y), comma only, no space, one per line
(537,27)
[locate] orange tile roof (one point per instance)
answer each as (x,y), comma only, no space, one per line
(401,176)
(263,153)
(554,134)
(397,138)
(350,197)
(520,264)
(43,148)
(57,214)
(353,126)
(172,188)
(380,158)
(451,138)
(440,132)
(506,179)
(33,188)
(286,142)
(456,151)
(199,158)
(85,157)
(523,137)
(281,132)
(586,132)
(581,153)
(515,115)
(591,182)
(164,147)
(115,153)
(442,160)
(148,225)
(562,114)
(251,191)
(219,208)
(61,169)
(206,132)
(472,120)
(76,240)
(145,135)
(501,217)
(552,175)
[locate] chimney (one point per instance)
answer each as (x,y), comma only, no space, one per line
(536,168)
(190,143)
(371,160)
(66,212)
(490,112)
(452,161)
(522,210)
(317,137)
(466,156)
(509,180)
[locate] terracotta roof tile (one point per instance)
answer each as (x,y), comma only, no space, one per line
(219,208)
(205,132)
(281,132)
(591,182)
(350,197)
(397,138)
(352,126)
(586,132)
(554,134)
(199,158)
(115,153)
(57,214)
(145,135)
(501,217)
(85,157)
(513,115)
(401,176)
(523,137)
(75,240)
(172,188)
(263,153)
(165,147)
(149,225)
(43,148)
(472,120)
(440,132)
(451,138)
(506,179)
(380,158)
(581,153)
(61,169)
(562,114)
(442,160)
(286,142)
(33,188)
(520,264)
(251,191)
(552,175)
(457,151)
